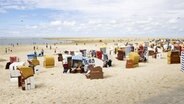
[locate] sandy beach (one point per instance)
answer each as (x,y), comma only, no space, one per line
(91,51)
(154,82)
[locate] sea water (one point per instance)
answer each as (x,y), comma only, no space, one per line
(29,41)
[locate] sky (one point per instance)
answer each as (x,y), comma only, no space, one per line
(91,18)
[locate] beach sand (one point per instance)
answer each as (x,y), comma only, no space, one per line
(155,82)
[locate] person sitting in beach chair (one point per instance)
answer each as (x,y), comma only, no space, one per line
(78,69)
(143,52)
(65,66)
(90,67)
(106,61)
(67,63)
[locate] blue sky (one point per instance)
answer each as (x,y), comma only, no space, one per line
(98,18)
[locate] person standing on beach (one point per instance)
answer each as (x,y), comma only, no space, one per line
(34,47)
(46,45)
(42,52)
(35,53)
(50,47)
(55,51)
(6,51)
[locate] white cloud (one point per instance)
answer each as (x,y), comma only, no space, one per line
(174,20)
(69,23)
(113,21)
(55,23)
(16,4)
(62,23)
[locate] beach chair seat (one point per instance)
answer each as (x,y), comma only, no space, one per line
(14,73)
(99,54)
(26,80)
(134,56)
(129,64)
(35,62)
(25,71)
(95,73)
(173,57)
(26,84)
(49,61)
(121,54)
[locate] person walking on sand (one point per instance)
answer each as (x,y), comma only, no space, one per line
(46,45)
(42,52)
(6,51)
(35,53)
(55,51)
(34,48)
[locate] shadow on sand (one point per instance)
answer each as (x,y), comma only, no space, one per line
(40,85)
(175,96)
(107,76)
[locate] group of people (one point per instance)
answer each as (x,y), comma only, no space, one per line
(40,54)
(78,69)
(8,50)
